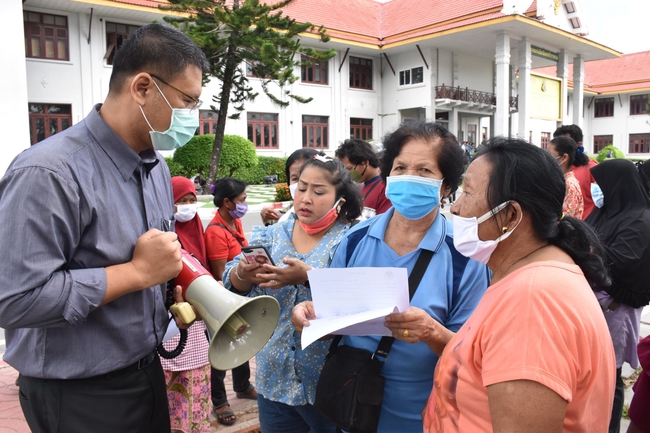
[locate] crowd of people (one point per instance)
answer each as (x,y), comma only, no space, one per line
(527,307)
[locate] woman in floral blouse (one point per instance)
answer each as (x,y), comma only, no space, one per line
(325,202)
(568,154)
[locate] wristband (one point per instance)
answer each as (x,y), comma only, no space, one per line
(237,273)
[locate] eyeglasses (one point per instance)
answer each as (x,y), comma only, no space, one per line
(197,101)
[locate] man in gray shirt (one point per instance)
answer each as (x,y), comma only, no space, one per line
(85,220)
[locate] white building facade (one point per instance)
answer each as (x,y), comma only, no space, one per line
(470,71)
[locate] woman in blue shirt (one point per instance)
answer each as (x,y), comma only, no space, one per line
(422,163)
(325,202)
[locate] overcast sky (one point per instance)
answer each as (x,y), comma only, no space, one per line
(623,25)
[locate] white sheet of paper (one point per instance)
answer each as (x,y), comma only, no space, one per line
(354,301)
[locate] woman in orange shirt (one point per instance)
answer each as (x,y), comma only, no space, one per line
(535,355)
(224,239)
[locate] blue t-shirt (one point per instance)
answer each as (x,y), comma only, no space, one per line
(286,373)
(449,291)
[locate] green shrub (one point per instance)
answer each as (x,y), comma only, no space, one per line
(236,153)
(603,154)
(177,169)
(266,165)
(195,155)
(282,192)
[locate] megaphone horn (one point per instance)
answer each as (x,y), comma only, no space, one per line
(238,327)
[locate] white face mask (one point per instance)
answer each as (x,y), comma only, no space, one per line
(292,189)
(466,238)
(185,212)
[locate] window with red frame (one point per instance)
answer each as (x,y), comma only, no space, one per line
(314,132)
(604,107)
(546,139)
(207,122)
(361,128)
(638,104)
(46,36)
(316,73)
(116,35)
(600,141)
(639,143)
(46,120)
(360,73)
(263,130)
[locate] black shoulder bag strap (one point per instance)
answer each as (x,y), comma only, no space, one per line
(386,343)
(375,183)
(228,230)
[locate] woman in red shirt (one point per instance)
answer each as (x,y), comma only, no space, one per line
(224,239)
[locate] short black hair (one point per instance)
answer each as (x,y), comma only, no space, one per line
(450,159)
(227,188)
(529,175)
(357,151)
(346,188)
(565,145)
(157,49)
(299,155)
(574,131)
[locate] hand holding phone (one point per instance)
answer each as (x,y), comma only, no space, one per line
(257,254)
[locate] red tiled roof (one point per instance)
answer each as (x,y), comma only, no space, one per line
(370,21)
(404,15)
(442,27)
(626,73)
(358,17)
(145,3)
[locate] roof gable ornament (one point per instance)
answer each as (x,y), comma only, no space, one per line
(515,7)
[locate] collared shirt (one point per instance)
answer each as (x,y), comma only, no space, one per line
(286,373)
(71,206)
(374,195)
(449,291)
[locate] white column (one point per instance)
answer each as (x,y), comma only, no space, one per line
(433,82)
(523,103)
(13,86)
(453,121)
(578,89)
(502,61)
(563,72)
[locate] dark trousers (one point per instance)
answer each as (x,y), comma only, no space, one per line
(619,400)
(126,401)
(240,383)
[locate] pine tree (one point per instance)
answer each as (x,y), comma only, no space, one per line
(256,34)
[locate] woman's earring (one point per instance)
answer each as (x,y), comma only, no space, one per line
(504,230)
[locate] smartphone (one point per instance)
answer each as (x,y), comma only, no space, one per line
(257,253)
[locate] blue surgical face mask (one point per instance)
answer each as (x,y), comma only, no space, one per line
(597,195)
(414,197)
(181,128)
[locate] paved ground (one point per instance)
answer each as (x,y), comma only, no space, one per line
(12,419)
(257,196)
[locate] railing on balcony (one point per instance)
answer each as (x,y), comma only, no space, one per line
(469,95)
